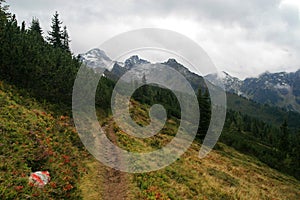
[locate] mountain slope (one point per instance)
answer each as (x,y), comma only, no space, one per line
(269,114)
(223,174)
(231,84)
(277,89)
(29,131)
(280,89)
(34,139)
(249,89)
(95,58)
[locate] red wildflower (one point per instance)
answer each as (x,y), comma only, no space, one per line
(68,187)
(18,188)
(53,184)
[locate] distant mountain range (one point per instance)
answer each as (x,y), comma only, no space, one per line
(276,89)
(97,59)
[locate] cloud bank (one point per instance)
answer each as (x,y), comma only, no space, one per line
(244,38)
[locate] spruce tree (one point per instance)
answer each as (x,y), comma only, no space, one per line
(3,20)
(56,35)
(205,112)
(35,27)
(66,39)
(283,141)
(206,107)
(144,88)
(144,79)
(23,27)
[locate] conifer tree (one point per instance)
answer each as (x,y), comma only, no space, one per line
(205,112)
(144,80)
(3,18)
(66,39)
(56,35)
(283,142)
(23,27)
(35,27)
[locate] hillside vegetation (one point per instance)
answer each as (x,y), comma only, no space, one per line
(264,112)
(33,139)
(223,174)
(37,74)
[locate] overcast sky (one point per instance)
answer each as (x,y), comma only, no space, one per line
(243,37)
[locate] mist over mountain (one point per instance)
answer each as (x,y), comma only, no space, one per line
(97,60)
(277,89)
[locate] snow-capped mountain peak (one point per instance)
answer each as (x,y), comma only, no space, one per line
(279,89)
(224,79)
(96,58)
(134,61)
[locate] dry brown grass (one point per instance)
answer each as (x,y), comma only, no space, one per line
(91,184)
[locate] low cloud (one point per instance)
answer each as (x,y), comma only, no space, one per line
(244,38)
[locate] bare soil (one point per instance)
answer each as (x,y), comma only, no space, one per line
(115,182)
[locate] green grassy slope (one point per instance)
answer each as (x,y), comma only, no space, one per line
(223,174)
(32,139)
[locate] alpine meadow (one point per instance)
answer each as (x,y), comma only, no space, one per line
(256,157)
